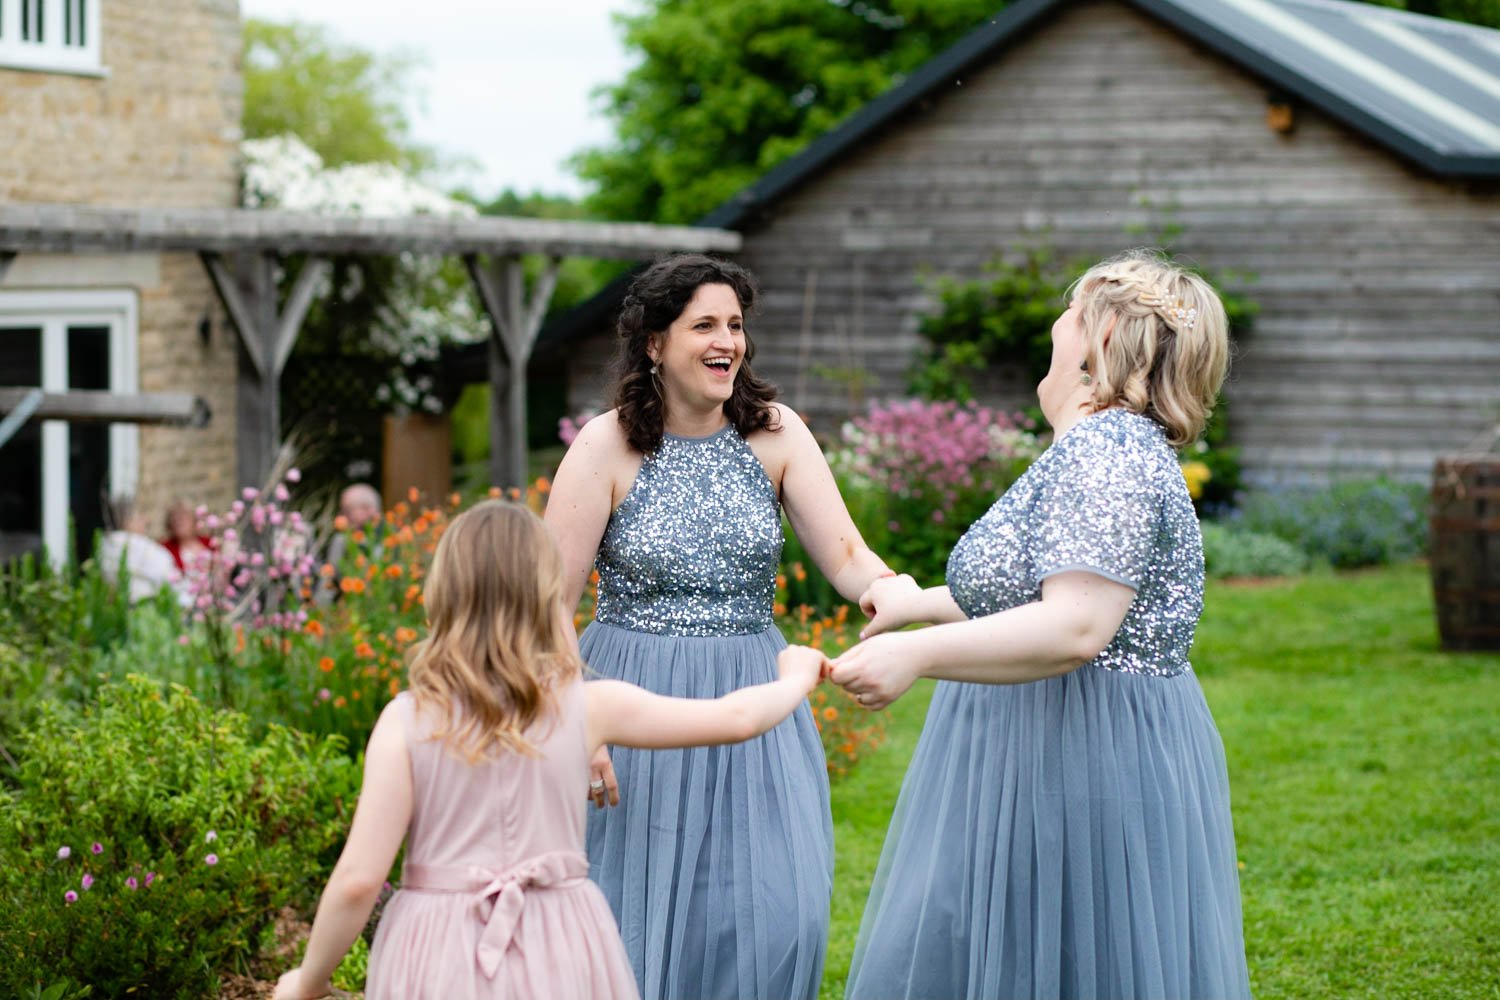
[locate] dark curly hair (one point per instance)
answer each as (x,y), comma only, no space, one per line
(656,297)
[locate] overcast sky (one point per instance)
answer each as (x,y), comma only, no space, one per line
(505,83)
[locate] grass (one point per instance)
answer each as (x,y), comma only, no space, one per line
(1365,774)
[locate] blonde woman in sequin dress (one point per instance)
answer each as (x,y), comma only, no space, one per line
(1064,827)
(717,862)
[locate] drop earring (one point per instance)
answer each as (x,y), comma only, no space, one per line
(1087,379)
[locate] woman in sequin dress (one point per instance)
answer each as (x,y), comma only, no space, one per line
(717,861)
(1064,827)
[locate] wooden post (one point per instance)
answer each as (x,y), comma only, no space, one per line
(6,257)
(247,288)
(515,320)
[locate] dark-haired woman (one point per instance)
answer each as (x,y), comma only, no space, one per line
(718,861)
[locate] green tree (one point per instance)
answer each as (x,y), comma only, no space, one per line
(725,91)
(1485,12)
(343,102)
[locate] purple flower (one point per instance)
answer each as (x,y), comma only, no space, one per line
(98,848)
(70,897)
(150,877)
(131,883)
(210,837)
(64,852)
(87,881)
(211,860)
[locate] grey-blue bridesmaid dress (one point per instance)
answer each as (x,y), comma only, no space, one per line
(718,861)
(1069,837)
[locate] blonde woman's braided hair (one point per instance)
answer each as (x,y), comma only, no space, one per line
(1157,340)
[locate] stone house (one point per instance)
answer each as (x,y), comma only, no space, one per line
(1345,155)
(128,104)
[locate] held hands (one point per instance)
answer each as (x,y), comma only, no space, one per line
(879,670)
(803,665)
(887,602)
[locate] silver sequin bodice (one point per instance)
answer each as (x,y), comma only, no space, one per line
(1108,497)
(693,547)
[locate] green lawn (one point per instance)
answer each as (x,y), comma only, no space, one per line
(1365,772)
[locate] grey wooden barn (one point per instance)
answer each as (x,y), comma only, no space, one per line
(1345,155)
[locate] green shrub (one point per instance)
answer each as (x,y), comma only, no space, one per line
(1232,552)
(150,840)
(1357,522)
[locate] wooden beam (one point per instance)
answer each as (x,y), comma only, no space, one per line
(50,228)
(241,313)
(314,270)
(515,319)
(99,406)
(21,409)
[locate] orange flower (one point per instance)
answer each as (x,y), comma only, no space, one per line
(393,571)
(847,749)
(358,536)
(413,592)
(314,627)
(543,485)
(372,571)
(454,500)
(364,649)
(239,638)
(799,572)
(395,687)
(830,713)
(412,494)
(352,585)
(339,702)
(326,664)
(405,634)
(327,570)
(341,523)
(421,524)
(494,493)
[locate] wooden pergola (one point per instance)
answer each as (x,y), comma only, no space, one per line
(241,250)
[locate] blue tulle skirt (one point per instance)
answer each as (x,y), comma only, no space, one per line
(1065,838)
(718,861)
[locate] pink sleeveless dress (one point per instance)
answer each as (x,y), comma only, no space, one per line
(495,899)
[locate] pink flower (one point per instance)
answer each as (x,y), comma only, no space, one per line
(324,694)
(183,640)
(282,494)
(131,883)
(248,493)
(98,848)
(87,881)
(70,897)
(294,475)
(210,837)
(64,852)
(211,860)
(150,877)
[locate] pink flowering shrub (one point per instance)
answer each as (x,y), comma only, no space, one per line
(149,839)
(916,474)
(256,576)
(568,427)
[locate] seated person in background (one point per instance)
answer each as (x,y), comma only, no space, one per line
(359,504)
(359,508)
(184,541)
(126,547)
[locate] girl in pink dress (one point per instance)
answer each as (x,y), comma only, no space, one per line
(483,768)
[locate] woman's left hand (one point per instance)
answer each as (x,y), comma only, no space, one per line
(879,670)
(291,987)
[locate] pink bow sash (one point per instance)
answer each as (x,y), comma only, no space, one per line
(499,896)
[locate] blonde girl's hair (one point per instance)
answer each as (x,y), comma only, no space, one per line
(496,652)
(1168,340)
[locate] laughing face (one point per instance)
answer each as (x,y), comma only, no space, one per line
(700,354)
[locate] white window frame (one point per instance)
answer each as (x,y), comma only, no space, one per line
(54,53)
(54,312)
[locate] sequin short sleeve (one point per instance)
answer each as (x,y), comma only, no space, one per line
(1100,512)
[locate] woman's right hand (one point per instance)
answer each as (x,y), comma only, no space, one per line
(604,789)
(887,602)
